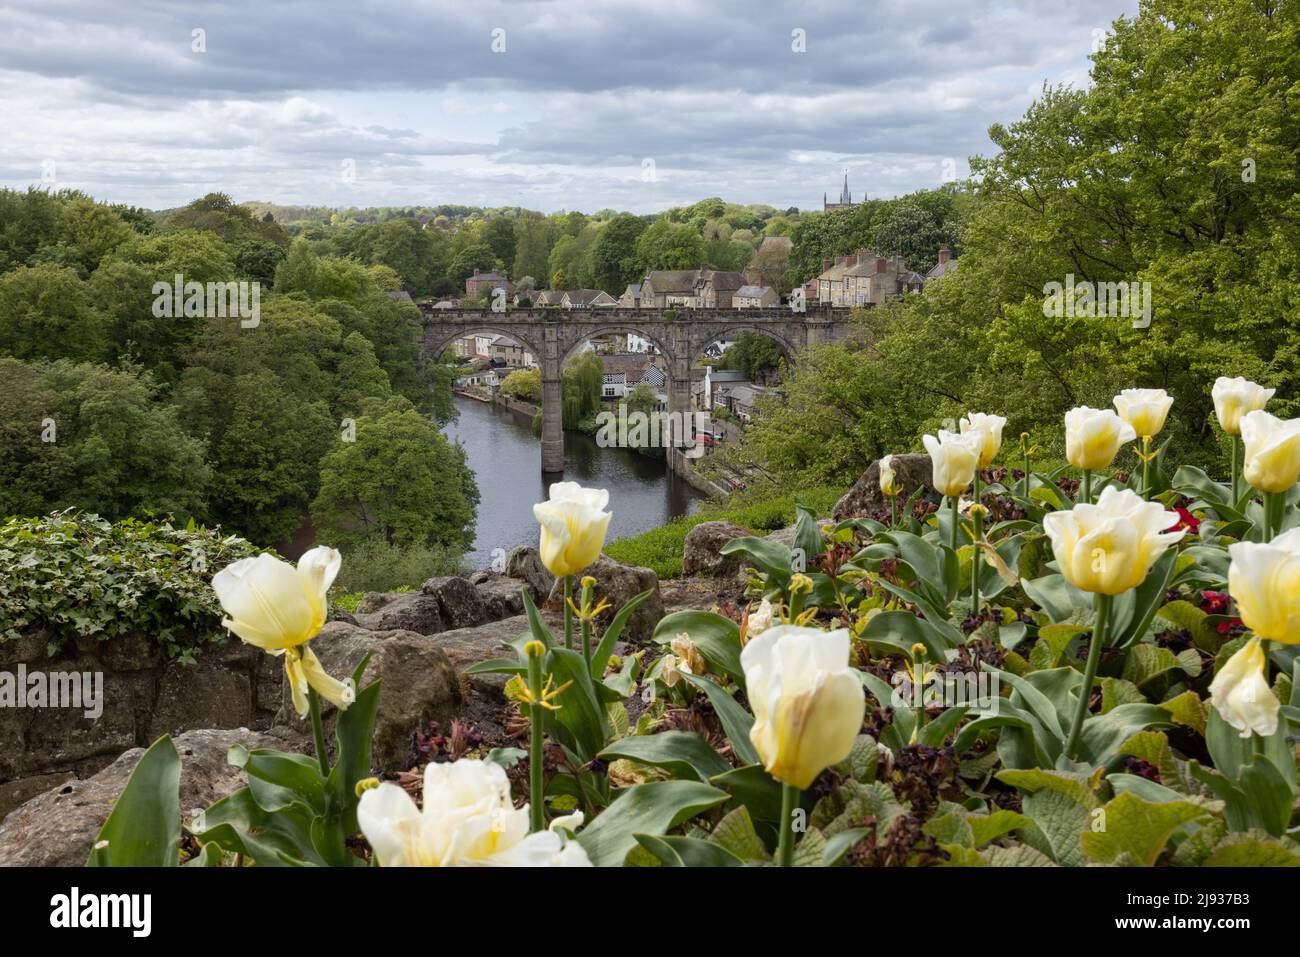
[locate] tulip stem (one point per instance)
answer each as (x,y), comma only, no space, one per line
(955,523)
(893,510)
(1236,479)
(1087,485)
(977,522)
(318,732)
(536,760)
(1146,467)
(1274,508)
(1102,603)
(588,586)
(785,847)
(568,612)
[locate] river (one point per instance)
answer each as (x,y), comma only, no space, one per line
(507,461)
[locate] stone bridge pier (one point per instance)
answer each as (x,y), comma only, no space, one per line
(681,336)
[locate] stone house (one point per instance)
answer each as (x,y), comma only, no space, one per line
(755,297)
(662,288)
(947,264)
(587,299)
(481,284)
(714,289)
(631,298)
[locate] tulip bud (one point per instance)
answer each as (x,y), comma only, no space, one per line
(1109,547)
(808,703)
(1265,582)
(1272,451)
(1144,409)
(953,458)
(888,479)
(1236,398)
(1241,695)
(1093,436)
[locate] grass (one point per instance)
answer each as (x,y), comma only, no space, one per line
(760,510)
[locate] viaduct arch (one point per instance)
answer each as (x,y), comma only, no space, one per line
(681,334)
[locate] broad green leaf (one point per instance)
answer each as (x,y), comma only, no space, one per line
(144,827)
(1138,828)
(684,754)
(1254,848)
(600,656)
(677,851)
(735,833)
(736,721)
(644,809)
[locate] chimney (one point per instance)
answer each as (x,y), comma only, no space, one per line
(881,264)
(826,264)
(944,254)
(851,260)
(476,272)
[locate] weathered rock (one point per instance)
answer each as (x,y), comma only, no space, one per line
(459,601)
(411,611)
(29,646)
(419,684)
(206,694)
(469,646)
(133,652)
(912,471)
(525,563)
(782,536)
(702,555)
(16,793)
(57,828)
(373,601)
(619,583)
(502,597)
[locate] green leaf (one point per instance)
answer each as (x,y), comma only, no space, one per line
(144,827)
(717,638)
(1137,828)
(676,851)
(735,833)
(279,839)
(600,657)
(755,790)
(651,808)
(736,721)
(685,754)
(1060,804)
(1254,848)
(278,779)
(579,724)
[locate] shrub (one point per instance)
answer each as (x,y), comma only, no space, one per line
(377,565)
(76,575)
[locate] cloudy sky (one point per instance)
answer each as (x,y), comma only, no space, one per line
(548,104)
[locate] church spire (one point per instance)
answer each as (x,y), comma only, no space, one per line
(846,197)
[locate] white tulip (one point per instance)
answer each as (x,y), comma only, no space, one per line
(1144,409)
(1264,580)
(953,459)
(1235,398)
(468,820)
(1272,451)
(1093,437)
(1241,695)
(808,703)
(574,524)
(990,426)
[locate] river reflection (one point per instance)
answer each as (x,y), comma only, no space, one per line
(507,461)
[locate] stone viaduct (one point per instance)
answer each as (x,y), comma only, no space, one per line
(681,335)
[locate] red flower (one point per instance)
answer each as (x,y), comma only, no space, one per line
(1185,520)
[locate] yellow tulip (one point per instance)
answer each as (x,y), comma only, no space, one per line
(1144,409)
(1234,398)
(1109,547)
(953,458)
(888,478)
(573,524)
(808,703)
(279,608)
(990,427)
(1272,456)
(1241,695)
(1265,582)
(1093,436)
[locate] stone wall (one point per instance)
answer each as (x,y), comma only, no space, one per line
(231,685)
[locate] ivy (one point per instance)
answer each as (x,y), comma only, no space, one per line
(75,575)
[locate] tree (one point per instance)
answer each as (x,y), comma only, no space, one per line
(584,378)
(400,481)
(614,255)
(46,313)
(499,235)
(753,354)
(525,384)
